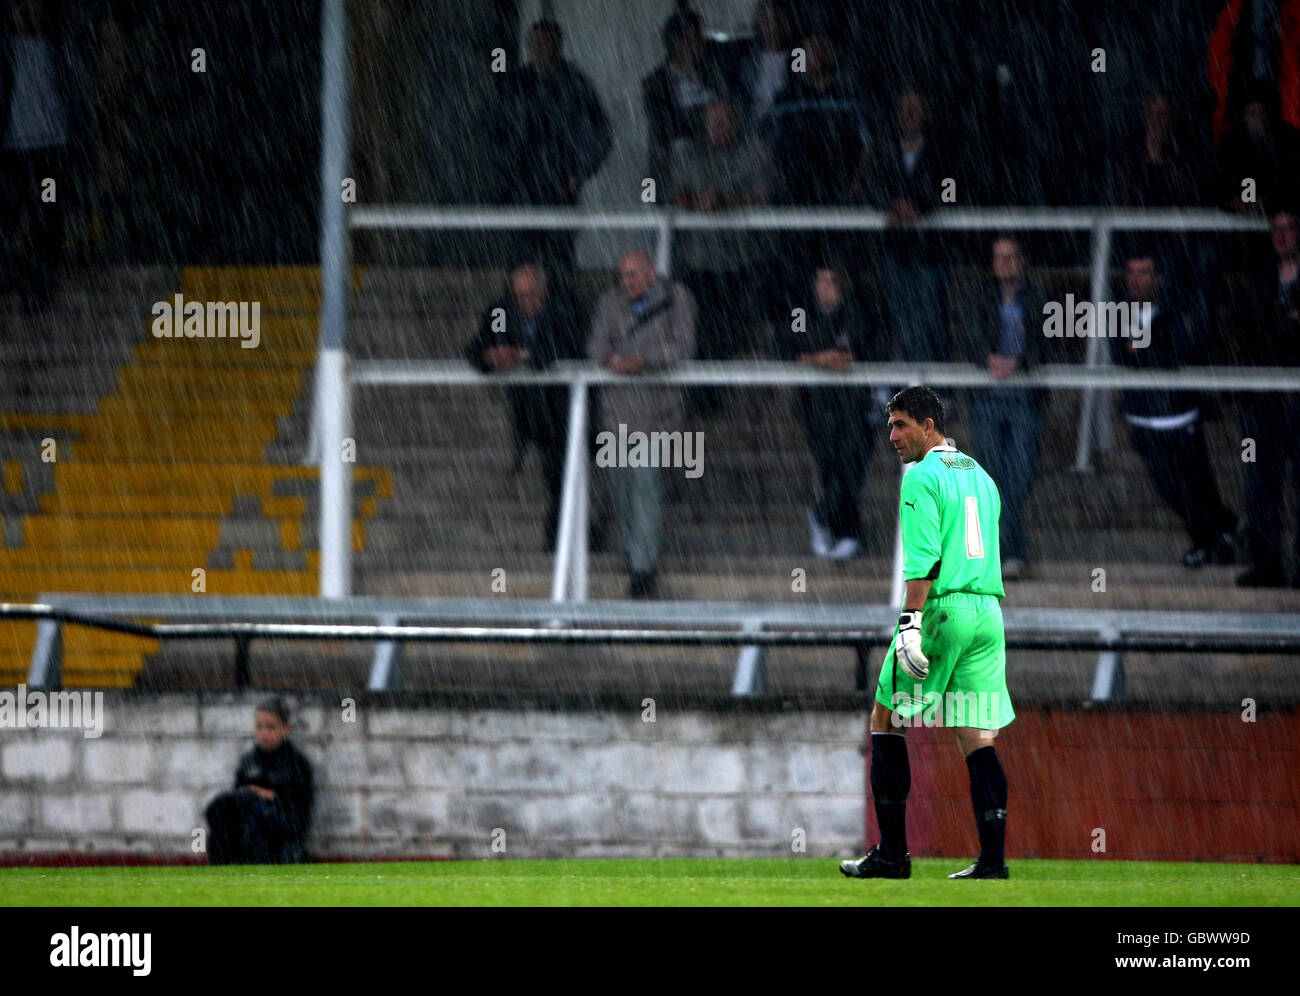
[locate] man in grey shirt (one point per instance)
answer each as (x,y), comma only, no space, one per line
(645,323)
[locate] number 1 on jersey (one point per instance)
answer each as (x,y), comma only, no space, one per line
(974,541)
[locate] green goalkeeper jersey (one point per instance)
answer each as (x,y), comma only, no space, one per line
(949,509)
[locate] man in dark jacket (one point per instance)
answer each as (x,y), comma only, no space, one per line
(1159,164)
(910,168)
(765,70)
(677,92)
(1165,426)
(528,327)
(1255,46)
(1271,422)
(1258,152)
(41,123)
(840,423)
(818,133)
(549,136)
(1005,335)
(821,148)
(264,819)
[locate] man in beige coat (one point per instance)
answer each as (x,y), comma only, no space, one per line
(644,324)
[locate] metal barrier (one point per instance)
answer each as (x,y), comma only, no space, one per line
(404,620)
(332,402)
(569,581)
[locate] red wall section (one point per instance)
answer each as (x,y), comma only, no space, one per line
(1163,786)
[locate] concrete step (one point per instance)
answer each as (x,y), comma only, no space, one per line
(1065,584)
(134,558)
(179,479)
(25,584)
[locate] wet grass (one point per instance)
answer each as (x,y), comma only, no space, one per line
(652,882)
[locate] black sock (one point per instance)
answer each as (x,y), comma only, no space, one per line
(988,795)
(891,780)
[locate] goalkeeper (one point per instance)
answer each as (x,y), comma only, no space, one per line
(948,656)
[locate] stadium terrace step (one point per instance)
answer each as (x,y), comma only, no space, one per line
(67,376)
(138,429)
(190,478)
(268,355)
(221,375)
(257,405)
(29,424)
(18,585)
(72,533)
(164,532)
(167,474)
(219,281)
(209,386)
(83,678)
(165,447)
(225,556)
(767,578)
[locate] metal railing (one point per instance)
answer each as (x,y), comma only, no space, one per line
(1108,632)
(569,580)
(332,403)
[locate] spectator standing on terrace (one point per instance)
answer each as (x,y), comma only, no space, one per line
(1257,156)
(1159,164)
(818,133)
(1013,80)
(644,324)
(765,72)
(1271,422)
(40,114)
(838,422)
(1004,334)
(264,819)
(910,168)
(549,137)
(527,328)
(821,148)
(723,172)
(1165,426)
(677,92)
(1255,50)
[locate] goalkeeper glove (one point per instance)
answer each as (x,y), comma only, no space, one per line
(908,648)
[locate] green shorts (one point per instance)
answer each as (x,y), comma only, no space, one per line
(962,634)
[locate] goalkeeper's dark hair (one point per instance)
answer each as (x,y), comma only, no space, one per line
(918,403)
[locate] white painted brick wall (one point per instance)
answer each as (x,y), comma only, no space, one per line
(37,756)
(425,781)
(82,813)
(15,810)
(158,812)
(124,759)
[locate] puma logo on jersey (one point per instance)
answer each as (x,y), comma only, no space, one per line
(910,505)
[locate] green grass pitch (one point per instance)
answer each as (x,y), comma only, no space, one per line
(796,881)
